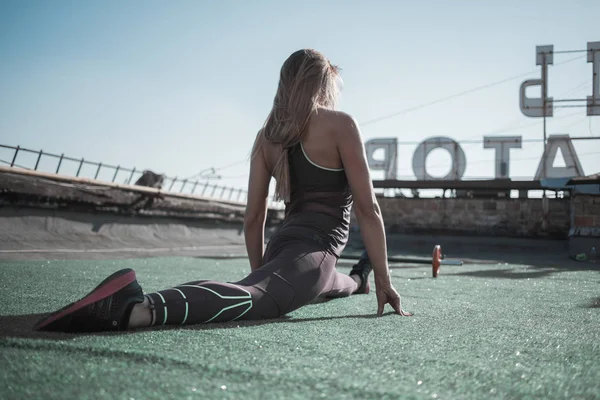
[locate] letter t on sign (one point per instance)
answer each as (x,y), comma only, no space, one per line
(502,144)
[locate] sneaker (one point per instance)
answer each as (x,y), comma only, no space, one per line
(363,268)
(106,308)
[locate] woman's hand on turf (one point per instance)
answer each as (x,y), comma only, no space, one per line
(386,294)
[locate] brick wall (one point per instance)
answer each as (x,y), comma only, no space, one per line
(490,217)
(586,215)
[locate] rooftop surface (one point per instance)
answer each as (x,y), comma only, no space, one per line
(519,319)
(484,329)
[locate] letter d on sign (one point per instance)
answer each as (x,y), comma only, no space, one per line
(593,101)
(389,163)
(534,107)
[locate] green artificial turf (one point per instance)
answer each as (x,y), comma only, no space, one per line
(479,331)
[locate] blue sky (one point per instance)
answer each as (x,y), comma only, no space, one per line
(182,86)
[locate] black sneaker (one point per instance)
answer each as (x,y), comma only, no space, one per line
(363,268)
(106,308)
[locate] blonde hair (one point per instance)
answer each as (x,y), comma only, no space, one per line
(307,81)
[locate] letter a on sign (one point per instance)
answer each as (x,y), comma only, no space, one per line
(572,166)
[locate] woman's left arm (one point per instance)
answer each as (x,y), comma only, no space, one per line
(256,209)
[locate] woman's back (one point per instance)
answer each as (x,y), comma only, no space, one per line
(320,197)
(319,141)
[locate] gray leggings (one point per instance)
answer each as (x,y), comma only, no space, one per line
(296,272)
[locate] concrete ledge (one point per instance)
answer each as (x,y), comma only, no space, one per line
(22,188)
(38,175)
(54,234)
(31,233)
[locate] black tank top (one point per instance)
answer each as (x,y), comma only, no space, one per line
(320,202)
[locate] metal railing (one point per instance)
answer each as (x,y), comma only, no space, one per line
(99,171)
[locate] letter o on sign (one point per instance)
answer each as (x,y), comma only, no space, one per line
(459,160)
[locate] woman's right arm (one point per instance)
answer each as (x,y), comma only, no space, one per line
(352,153)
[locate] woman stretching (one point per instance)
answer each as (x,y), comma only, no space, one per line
(317,158)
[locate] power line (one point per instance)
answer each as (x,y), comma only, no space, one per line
(214,170)
(234,176)
(583,84)
(368,122)
(464,93)
(232,164)
(578,155)
(554,119)
(464,142)
(572,124)
(511,160)
(520,123)
(508,128)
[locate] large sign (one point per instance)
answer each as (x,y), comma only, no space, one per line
(530,106)
(501,145)
(535,107)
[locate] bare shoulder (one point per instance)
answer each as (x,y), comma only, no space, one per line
(338,122)
(336,117)
(268,152)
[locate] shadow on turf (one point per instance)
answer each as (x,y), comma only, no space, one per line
(506,273)
(531,272)
(593,303)
(21,326)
